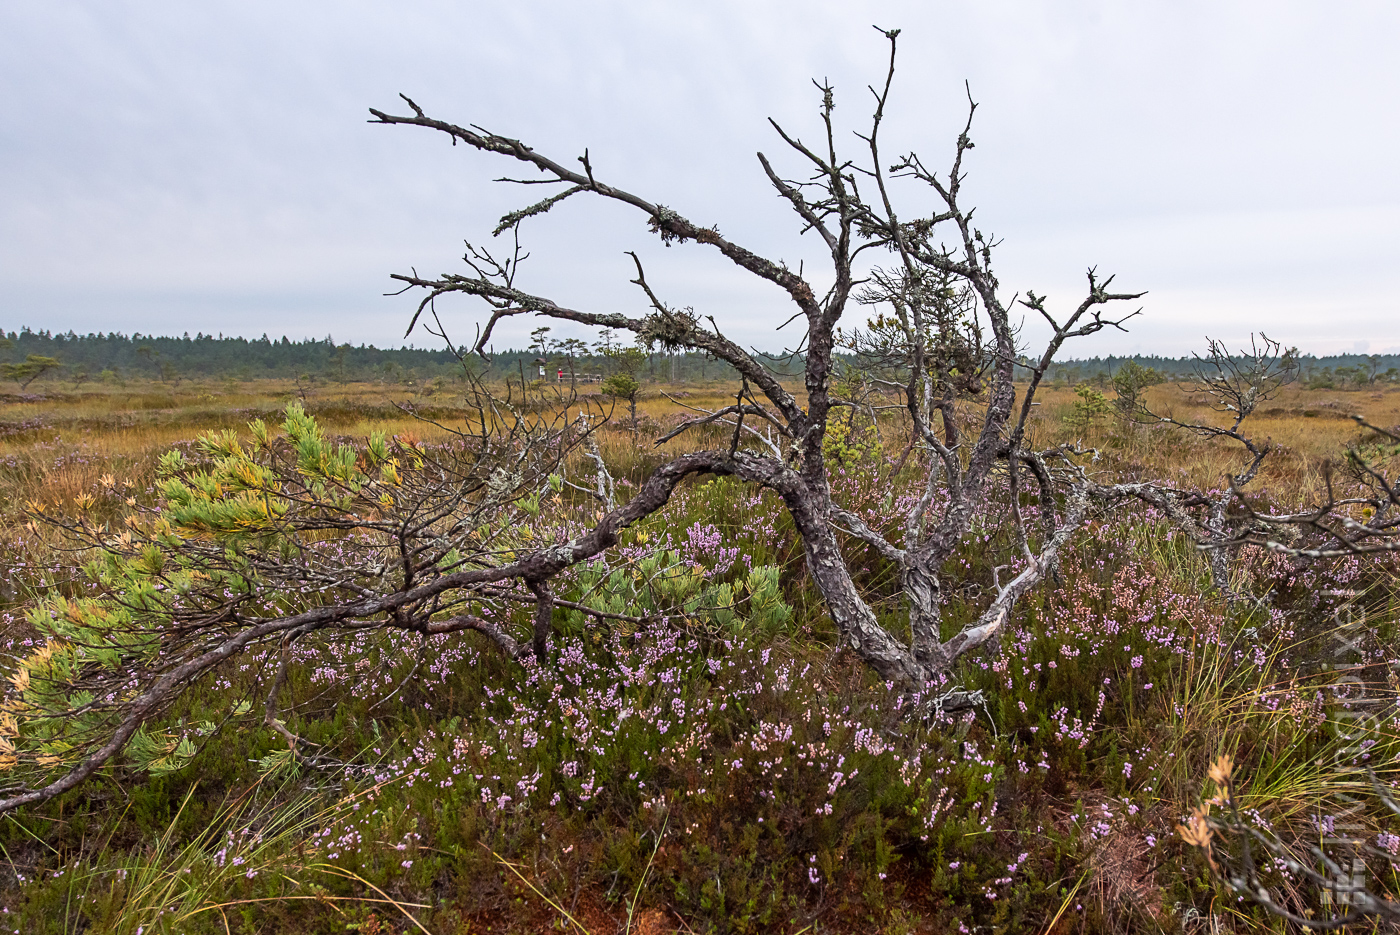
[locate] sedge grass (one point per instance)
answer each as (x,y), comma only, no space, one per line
(262,831)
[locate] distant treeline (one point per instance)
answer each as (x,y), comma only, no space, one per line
(1337,370)
(145,356)
(119,357)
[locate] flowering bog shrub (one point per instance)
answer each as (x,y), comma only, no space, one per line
(702,745)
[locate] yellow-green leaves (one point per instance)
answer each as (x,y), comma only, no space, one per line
(377,450)
(160,751)
(223,444)
(172,462)
(240,530)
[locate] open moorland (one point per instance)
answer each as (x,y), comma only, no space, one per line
(701,753)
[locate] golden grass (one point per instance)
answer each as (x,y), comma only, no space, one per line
(65,440)
(1305,428)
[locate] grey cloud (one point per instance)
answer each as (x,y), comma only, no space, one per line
(171,167)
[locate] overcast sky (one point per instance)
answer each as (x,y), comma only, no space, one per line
(169,167)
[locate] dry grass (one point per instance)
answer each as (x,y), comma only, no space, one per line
(1306,429)
(1123,879)
(59,444)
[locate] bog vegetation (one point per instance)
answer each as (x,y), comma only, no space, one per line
(911,636)
(728,766)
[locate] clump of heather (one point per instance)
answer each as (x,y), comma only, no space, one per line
(775,782)
(703,751)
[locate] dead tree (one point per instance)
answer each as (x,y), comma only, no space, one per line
(1358,512)
(1235,385)
(261,546)
(850,204)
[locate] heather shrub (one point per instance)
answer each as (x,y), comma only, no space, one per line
(704,750)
